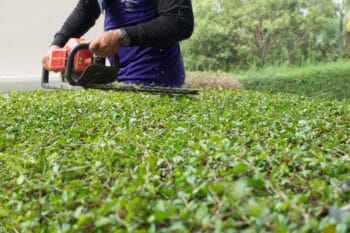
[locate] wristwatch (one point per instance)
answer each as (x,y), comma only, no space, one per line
(124,38)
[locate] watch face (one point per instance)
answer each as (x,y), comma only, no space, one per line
(124,39)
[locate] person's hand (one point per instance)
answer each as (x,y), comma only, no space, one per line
(106,45)
(45,60)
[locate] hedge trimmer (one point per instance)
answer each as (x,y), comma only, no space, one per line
(82,70)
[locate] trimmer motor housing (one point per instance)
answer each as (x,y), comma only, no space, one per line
(58,57)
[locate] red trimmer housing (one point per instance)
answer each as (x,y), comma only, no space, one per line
(58,57)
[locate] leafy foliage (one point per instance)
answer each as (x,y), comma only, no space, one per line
(225,161)
(327,80)
(234,34)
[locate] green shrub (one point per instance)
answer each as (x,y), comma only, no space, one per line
(224,161)
(329,80)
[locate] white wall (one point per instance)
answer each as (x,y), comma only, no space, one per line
(26,30)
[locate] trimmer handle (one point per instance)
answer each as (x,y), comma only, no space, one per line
(70,63)
(44,77)
(69,67)
(96,73)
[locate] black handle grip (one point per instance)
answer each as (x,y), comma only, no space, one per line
(70,63)
(44,77)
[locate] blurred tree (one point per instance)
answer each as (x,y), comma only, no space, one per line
(236,34)
(344,28)
(212,45)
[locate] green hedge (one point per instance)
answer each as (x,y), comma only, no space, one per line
(329,80)
(223,161)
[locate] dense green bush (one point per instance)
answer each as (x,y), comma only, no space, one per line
(328,80)
(223,161)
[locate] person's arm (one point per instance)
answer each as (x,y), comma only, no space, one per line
(82,18)
(175,23)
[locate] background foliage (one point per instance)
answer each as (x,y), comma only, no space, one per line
(327,80)
(234,34)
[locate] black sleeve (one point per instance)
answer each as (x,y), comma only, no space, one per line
(175,23)
(78,22)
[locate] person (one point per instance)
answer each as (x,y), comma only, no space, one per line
(144,33)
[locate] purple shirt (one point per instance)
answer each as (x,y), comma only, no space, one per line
(143,65)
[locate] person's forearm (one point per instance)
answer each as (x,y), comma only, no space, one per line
(78,22)
(175,23)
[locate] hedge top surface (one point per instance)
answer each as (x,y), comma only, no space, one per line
(327,81)
(224,161)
